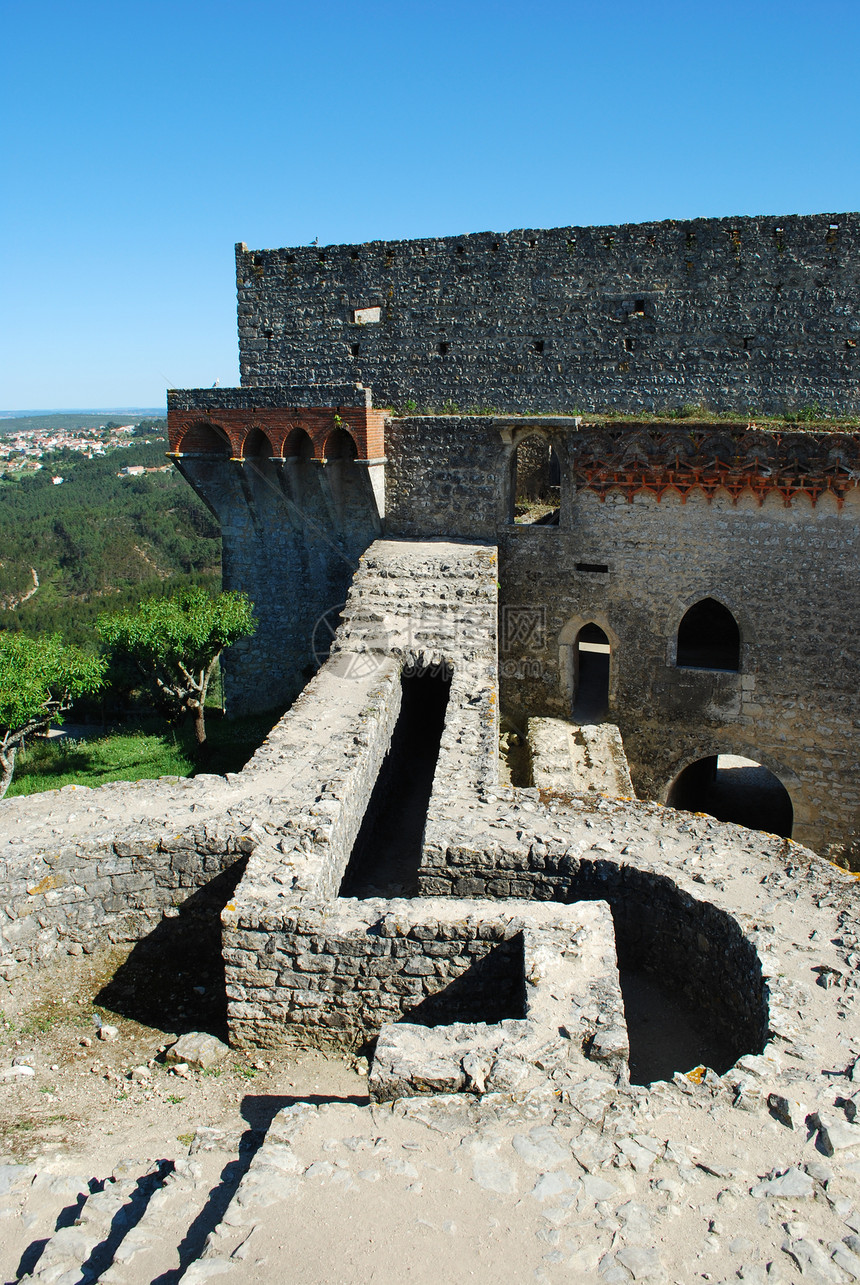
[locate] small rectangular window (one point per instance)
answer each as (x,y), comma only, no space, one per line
(366,316)
(597,568)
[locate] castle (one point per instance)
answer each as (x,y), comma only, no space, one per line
(541,392)
(472,489)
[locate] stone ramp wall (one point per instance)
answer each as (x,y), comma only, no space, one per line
(304,963)
(572,1026)
(79,869)
(570,756)
(434,606)
(335,975)
(419,606)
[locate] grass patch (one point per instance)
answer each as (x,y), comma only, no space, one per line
(141,754)
(28,1125)
(42,1019)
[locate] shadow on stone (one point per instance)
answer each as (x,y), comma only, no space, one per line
(387,852)
(173,979)
(66,1218)
(33,1253)
(258,1110)
(126,1217)
(191,1246)
(666,1035)
(490,990)
(692,984)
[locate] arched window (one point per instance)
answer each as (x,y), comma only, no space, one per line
(298,446)
(709,638)
(591,654)
(535,487)
(736,789)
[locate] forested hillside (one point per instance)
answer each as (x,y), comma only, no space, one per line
(98,540)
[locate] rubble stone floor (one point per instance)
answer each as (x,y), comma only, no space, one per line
(278,1168)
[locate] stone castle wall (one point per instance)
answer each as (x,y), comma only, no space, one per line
(292,534)
(653,518)
(308,965)
(81,869)
(784,566)
(737,314)
(510,931)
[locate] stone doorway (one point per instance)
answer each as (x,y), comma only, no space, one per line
(591,660)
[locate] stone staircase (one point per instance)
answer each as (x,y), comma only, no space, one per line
(146,1222)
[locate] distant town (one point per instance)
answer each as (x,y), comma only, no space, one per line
(28,450)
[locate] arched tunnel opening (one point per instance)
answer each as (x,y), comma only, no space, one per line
(732,788)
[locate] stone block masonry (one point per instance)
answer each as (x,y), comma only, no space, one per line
(428,606)
(737,314)
(508,944)
(652,519)
(82,869)
(305,965)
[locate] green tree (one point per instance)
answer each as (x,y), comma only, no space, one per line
(39,679)
(176,641)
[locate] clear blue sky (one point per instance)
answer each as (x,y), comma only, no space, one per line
(141,140)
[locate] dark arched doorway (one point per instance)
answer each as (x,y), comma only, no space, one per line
(591,657)
(737,789)
(709,638)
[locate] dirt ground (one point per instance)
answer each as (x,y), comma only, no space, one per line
(82,1108)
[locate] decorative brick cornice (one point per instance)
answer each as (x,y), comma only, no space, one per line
(237,432)
(656,458)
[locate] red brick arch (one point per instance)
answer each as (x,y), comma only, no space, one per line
(364,426)
(257,442)
(204,437)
